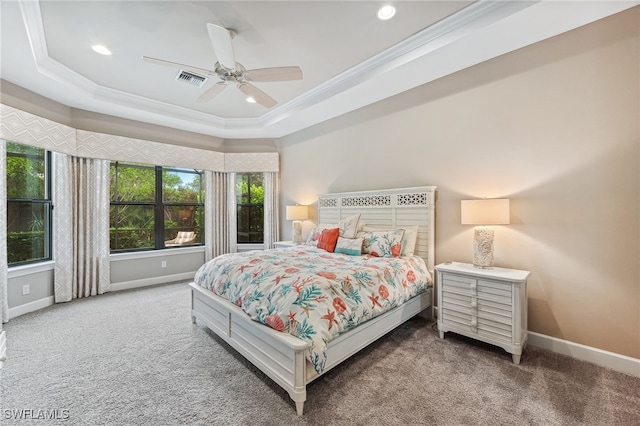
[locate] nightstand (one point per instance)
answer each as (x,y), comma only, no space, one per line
(489,305)
(283,244)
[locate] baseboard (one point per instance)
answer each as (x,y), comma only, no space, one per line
(622,363)
(127,285)
(3,348)
(30,307)
(48,301)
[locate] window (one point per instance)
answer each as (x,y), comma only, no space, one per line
(154,207)
(28,204)
(183,206)
(250,207)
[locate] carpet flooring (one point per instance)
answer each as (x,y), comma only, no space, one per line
(134,358)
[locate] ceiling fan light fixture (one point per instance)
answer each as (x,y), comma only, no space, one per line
(98,48)
(386,12)
(221,41)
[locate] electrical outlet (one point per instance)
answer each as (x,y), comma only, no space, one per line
(26,289)
(163,264)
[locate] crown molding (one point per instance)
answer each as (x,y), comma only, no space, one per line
(470,36)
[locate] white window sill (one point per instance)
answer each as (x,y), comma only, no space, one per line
(116,257)
(34,268)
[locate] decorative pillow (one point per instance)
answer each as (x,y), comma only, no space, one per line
(350,246)
(383,243)
(349,226)
(314,235)
(328,239)
(408,240)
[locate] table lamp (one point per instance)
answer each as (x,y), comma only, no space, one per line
(297,214)
(482,213)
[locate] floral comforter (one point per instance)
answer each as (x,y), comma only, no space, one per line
(312,294)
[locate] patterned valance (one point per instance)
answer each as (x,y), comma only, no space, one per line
(23,127)
(119,148)
(252,162)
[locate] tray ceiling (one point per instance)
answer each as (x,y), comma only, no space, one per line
(349,58)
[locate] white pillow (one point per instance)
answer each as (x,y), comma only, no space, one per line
(350,246)
(408,241)
(349,226)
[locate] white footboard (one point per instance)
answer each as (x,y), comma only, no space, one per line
(282,356)
(278,355)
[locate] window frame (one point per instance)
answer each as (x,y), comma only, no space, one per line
(47,201)
(158,205)
(250,205)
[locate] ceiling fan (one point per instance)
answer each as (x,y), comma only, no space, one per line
(228,70)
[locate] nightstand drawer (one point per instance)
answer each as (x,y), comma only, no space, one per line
(453,297)
(475,326)
(470,287)
(482,309)
(492,290)
(493,308)
(458,284)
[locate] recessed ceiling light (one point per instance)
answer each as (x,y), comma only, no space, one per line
(386,12)
(98,48)
(251,100)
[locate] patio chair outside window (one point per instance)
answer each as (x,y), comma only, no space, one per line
(183,238)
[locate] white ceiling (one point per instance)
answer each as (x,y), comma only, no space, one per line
(349,58)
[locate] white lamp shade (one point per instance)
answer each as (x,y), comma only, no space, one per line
(485,212)
(297,212)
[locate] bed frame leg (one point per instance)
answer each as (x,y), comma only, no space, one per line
(299,407)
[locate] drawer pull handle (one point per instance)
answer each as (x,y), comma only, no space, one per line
(473,286)
(474,323)
(474,303)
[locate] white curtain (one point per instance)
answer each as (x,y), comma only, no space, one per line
(81,227)
(217,238)
(232,212)
(271,210)
(4,307)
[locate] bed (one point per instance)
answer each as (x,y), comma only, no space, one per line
(232,312)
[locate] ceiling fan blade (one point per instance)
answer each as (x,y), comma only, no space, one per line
(202,71)
(212,92)
(221,41)
(275,74)
(257,94)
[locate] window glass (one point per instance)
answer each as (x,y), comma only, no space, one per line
(183,209)
(133,183)
(250,207)
(25,172)
(133,203)
(181,186)
(132,226)
(28,204)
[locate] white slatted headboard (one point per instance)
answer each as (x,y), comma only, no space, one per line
(387,208)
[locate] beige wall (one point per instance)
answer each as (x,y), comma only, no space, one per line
(555,128)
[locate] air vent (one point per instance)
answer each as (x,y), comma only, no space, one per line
(193,79)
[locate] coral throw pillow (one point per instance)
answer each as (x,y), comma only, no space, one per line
(328,239)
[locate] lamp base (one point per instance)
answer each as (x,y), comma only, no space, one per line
(483,247)
(296,230)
